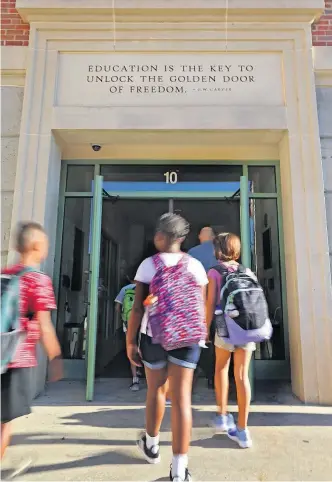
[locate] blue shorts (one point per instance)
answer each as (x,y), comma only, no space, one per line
(155,357)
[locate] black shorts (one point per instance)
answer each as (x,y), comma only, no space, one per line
(16,394)
(155,357)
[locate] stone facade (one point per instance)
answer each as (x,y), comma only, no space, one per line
(283,126)
(16,32)
(11,111)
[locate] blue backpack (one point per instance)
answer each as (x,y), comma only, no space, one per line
(11,332)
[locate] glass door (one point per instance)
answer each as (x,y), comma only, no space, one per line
(94,285)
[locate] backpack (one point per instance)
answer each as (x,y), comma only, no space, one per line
(12,333)
(177,317)
(245,314)
(127,305)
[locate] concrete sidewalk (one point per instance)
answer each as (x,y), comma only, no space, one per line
(74,440)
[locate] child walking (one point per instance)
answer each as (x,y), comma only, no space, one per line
(170,296)
(227,250)
(36,301)
(124,303)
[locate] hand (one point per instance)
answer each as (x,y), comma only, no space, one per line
(55,370)
(208,335)
(133,354)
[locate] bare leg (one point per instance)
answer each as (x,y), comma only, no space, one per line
(5,437)
(155,399)
(181,380)
(168,391)
(221,379)
(241,371)
(133,370)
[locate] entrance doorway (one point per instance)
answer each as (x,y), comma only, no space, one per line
(131,222)
(107,225)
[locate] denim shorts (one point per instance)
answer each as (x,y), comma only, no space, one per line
(155,357)
(221,343)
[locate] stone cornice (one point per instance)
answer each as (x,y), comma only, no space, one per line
(13,65)
(170,10)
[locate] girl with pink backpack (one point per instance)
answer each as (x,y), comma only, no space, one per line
(170,297)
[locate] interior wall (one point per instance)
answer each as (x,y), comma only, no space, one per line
(77,215)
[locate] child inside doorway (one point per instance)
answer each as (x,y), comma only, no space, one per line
(124,303)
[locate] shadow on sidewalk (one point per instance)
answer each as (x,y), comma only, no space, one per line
(134,418)
(103,459)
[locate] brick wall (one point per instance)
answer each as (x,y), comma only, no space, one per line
(15,32)
(322,31)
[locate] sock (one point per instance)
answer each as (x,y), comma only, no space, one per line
(135,380)
(151,441)
(179,465)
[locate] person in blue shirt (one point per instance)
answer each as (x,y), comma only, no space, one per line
(204,252)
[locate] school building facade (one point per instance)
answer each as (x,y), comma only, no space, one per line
(101,98)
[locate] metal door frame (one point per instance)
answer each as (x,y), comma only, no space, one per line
(261,369)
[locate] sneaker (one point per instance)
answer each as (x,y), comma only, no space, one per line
(179,479)
(168,403)
(242,437)
(134,387)
(223,423)
(151,455)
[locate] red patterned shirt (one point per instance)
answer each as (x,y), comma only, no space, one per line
(36,294)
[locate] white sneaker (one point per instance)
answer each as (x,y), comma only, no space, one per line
(134,387)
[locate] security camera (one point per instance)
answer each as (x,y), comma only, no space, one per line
(96,147)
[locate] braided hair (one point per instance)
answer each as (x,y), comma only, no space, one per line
(173,226)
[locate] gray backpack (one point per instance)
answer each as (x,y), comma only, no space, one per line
(245,314)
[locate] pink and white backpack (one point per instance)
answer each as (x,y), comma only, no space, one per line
(177,318)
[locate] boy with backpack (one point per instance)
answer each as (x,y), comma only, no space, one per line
(27,298)
(124,304)
(170,297)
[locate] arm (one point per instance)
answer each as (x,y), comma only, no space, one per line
(48,336)
(51,345)
(134,323)
(210,301)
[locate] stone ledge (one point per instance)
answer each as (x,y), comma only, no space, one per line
(13,65)
(163,10)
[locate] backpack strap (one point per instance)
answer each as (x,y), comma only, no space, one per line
(25,270)
(158,262)
(242,269)
(222,270)
(184,261)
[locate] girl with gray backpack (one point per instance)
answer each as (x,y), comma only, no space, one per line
(236,302)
